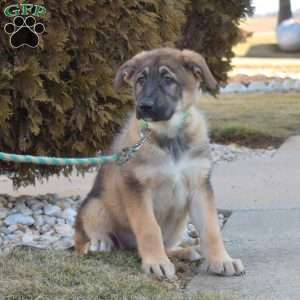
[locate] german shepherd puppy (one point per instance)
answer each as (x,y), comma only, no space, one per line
(146,202)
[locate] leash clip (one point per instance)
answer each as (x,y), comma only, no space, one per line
(127,153)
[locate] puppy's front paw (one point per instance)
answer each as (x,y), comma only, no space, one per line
(161,268)
(228,267)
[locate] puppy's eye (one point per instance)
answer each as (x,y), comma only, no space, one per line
(168,80)
(141,80)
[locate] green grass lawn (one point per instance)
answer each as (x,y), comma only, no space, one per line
(57,275)
(255,120)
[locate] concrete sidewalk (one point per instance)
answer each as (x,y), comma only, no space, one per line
(265,62)
(74,185)
(268,242)
(263,230)
(261,183)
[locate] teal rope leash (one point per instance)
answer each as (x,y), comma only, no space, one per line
(119,158)
(54,161)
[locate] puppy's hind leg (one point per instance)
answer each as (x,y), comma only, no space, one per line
(93,225)
(190,253)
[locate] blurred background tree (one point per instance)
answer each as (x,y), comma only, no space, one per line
(285,11)
(58,100)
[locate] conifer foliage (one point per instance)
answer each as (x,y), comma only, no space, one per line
(58,99)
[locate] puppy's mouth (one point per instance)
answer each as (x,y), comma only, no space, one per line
(156,116)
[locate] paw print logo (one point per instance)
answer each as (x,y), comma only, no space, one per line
(24,32)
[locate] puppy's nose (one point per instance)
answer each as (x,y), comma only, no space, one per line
(146,106)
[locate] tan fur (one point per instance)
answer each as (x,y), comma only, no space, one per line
(190,253)
(150,198)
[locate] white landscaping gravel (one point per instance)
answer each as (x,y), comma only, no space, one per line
(232,152)
(282,85)
(46,221)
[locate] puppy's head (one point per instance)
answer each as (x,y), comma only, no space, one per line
(165,81)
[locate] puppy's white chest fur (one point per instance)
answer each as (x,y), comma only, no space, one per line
(178,180)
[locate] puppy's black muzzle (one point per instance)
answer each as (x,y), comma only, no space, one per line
(145,109)
(148,109)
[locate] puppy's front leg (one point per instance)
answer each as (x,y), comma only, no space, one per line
(149,237)
(204,216)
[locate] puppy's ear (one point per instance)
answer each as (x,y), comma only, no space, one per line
(196,63)
(126,72)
